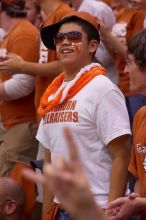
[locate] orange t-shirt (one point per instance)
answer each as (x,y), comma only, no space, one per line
(46,55)
(23,40)
(137,164)
(108,2)
(127,24)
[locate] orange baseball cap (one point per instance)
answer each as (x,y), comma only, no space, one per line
(48,33)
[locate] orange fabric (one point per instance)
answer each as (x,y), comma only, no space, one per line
(52,213)
(108,2)
(28,186)
(43,82)
(136,23)
(134,20)
(138,156)
(45,106)
(22,40)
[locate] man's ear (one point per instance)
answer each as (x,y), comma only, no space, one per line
(10,207)
(93,46)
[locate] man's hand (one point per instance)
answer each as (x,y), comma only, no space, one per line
(124,207)
(11,64)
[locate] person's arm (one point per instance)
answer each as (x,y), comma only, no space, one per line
(47,194)
(141,204)
(15,64)
(114,130)
(42,69)
(18,86)
(120,152)
(126,207)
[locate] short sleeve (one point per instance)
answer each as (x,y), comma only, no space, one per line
(19,85)
(112,117)
(42,137)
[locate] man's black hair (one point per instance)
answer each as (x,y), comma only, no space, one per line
(17,9)
(92,33)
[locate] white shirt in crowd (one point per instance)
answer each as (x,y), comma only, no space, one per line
(96,115)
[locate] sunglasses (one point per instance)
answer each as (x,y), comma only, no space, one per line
(73,36)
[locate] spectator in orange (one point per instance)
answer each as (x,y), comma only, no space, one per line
(108,2)
(17,108)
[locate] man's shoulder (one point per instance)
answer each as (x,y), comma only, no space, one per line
(139,119)
(102,85)
(103,80)
(23,28)
(140,115)
(58,14)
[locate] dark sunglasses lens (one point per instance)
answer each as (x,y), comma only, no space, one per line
(74,36)
(59,38)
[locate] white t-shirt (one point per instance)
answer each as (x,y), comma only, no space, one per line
(104,13)
(96,115)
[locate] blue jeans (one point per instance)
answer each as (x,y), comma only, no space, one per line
(63,215)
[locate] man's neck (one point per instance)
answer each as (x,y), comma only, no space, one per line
(70,71)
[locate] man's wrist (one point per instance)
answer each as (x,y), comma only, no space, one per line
(141,203)
(22,66)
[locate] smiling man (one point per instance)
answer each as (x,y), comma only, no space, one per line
(101,125)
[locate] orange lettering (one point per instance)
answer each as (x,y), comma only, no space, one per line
(51,117)
(56,117)
(65,117)
(61,117)
(74,102)
(75,117)
(69,116)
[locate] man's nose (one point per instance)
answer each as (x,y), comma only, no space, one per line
(65,41)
